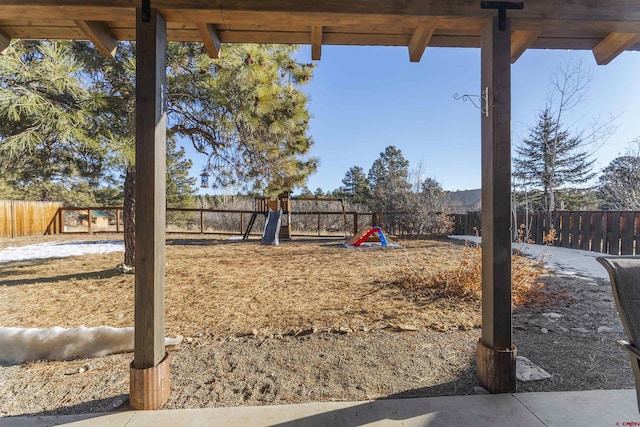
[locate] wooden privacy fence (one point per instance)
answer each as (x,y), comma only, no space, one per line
(27,218)
(466,224)
(610,232)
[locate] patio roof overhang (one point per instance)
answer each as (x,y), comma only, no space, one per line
(603,26)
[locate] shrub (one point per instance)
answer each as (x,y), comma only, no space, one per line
(463,280)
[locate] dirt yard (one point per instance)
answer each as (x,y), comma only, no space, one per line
(309,320)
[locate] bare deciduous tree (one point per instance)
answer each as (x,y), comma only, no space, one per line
(556,154)
(620,181)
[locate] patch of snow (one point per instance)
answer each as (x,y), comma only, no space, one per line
(20,345)
(59,250)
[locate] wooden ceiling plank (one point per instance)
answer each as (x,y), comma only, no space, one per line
(613,45)
(316,42)
(211,39)
(521,41)
(5,41)
(100,36)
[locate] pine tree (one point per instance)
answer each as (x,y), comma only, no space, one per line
(180,186)
(114,122)
(389,180)
(355,186)
(46,152)
(550,159)
(72,110)
(553,156)
(250,118)
(390,188)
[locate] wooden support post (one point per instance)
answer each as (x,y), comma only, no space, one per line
(89,221)
(355,223)
(117,220)
(241,223)
(496,354)
(201,221)
(149,387)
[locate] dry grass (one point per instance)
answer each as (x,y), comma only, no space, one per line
(223,288)
(460,279)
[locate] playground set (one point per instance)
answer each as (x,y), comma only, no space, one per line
(280,210)
(278,224)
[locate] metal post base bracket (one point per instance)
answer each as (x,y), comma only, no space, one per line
(149,388)
(496,368)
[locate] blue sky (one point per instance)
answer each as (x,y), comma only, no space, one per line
(363,99)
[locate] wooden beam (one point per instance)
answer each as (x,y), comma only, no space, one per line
(211,39)
(538,9)
(496,354)
(5,41)
(100,36)
(419,42)
(316,42)
(613,45)
(521,41)
(578,25)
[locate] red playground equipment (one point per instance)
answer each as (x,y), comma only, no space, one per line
(365,234)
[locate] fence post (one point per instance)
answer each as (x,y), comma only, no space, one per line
(613,233)
(201,221)
(117,220)
(355,223)
(90,220)
(596,236)
(636,222)
(318,225)
(585,242)
(241,223)
(626,233)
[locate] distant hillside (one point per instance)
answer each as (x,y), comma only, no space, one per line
(465,201)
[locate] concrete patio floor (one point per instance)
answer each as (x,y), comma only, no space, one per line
(614,408)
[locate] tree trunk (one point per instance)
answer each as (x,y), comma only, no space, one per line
(129,218)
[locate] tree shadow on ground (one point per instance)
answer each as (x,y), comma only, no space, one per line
(102,274)
(204,241)
(252,241)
